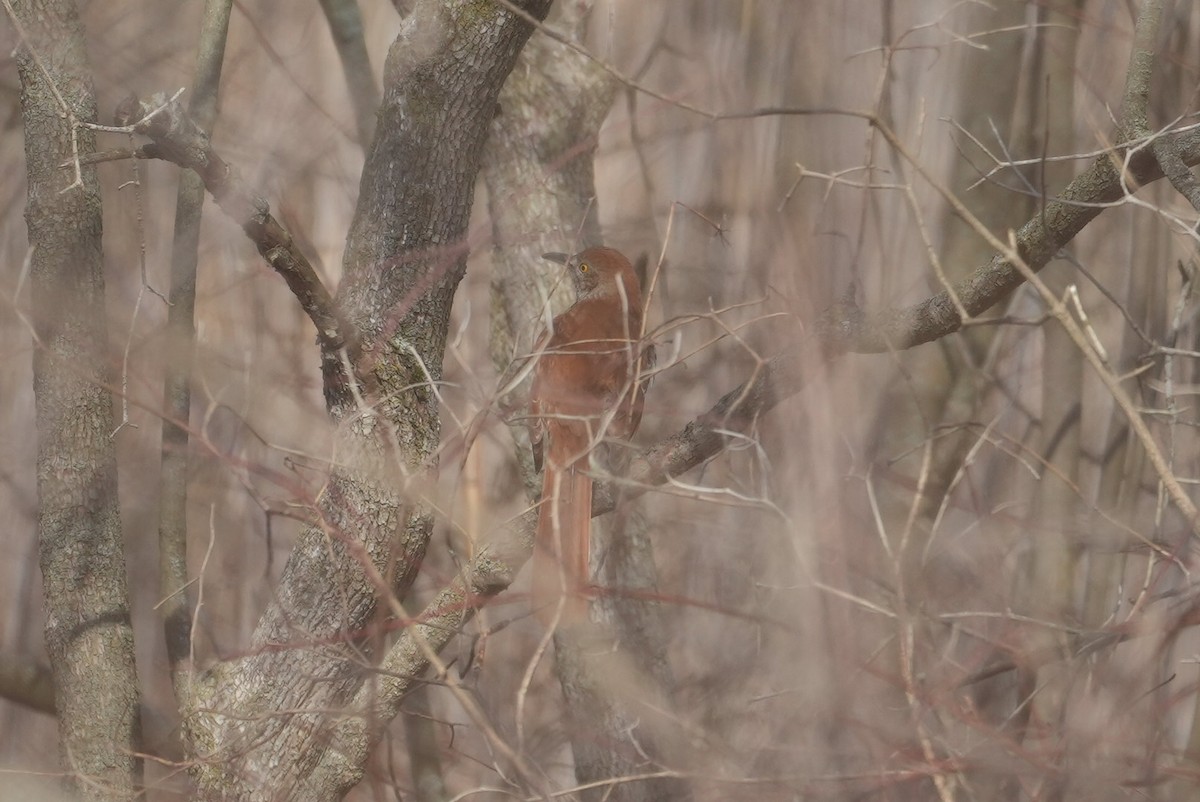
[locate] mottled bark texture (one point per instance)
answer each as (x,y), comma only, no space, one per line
(273,723)
(88,633)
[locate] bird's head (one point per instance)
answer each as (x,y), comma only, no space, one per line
(599,272)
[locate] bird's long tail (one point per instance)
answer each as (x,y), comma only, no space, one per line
(561,551)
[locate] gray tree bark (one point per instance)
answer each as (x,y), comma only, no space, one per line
(88,632)
(269,718)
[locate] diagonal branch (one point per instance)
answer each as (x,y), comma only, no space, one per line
(178,139)
(848,330)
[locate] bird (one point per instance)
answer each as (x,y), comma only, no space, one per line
(586,389)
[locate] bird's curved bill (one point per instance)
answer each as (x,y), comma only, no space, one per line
(561,258)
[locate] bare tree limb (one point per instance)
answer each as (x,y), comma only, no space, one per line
(177,610)
(178,139)
(848,330)
(88,630)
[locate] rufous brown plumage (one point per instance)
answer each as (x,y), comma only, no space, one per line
(585,390)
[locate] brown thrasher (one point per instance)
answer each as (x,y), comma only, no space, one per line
(585,389)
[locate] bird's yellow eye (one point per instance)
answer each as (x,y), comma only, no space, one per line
(584,267)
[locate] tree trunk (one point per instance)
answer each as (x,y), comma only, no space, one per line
(405,256)
(88,632)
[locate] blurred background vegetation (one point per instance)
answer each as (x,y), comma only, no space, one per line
(944,572)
